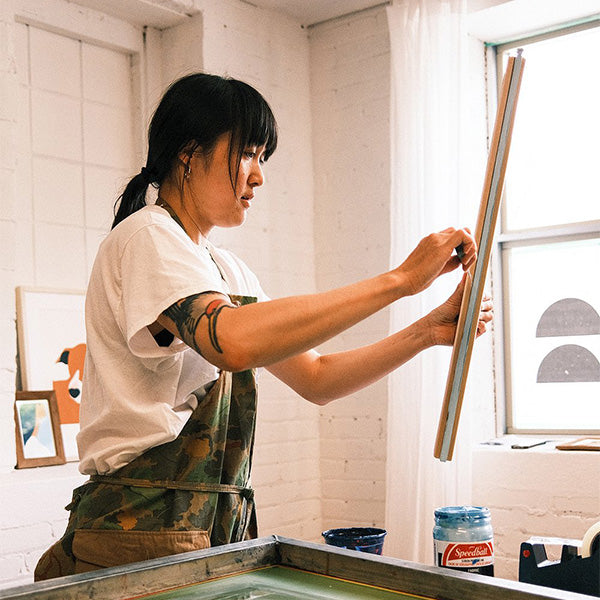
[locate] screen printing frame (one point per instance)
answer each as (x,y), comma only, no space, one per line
(172,572)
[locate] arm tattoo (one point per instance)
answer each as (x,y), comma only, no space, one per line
(212,311)
(185,316)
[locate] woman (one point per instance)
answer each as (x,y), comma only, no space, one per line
(176,327)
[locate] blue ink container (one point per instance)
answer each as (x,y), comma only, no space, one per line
(463,539)
(363,539)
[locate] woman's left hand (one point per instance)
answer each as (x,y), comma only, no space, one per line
(441,322)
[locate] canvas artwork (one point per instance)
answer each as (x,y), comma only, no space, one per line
(51,334)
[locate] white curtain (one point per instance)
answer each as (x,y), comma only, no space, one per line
(438,162)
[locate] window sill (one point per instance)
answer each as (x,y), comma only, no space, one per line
(531,443)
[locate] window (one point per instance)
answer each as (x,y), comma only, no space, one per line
(549,243)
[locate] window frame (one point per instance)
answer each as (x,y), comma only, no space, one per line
(505,240)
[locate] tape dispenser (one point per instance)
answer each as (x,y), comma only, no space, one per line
(578,569)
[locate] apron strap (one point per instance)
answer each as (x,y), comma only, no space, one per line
(220,488)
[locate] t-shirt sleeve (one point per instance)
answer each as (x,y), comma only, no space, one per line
(158,267)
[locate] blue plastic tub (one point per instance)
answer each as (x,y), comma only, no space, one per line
(363,539)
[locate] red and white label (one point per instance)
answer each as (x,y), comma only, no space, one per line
(464,554)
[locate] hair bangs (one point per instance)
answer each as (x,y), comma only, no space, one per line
(256,125)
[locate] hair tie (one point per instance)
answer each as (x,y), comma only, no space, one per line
(147,175)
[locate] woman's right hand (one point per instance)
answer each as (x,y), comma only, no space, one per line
(434,255)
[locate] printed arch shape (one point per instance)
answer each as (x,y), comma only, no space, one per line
(569,316)
(567,364)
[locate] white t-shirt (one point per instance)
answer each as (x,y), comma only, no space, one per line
(137,394)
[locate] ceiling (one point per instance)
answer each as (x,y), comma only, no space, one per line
(166,13)
(488,19)
(310,12)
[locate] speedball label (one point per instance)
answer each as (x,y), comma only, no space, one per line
(467,556)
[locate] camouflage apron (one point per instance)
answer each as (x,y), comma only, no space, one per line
(188,494)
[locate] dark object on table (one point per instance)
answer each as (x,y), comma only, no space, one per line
(572,572)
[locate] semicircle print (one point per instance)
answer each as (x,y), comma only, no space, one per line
(569,316)
(568,364)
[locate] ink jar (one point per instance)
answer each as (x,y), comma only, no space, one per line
(463,539)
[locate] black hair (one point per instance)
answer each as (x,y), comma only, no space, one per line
(194,112)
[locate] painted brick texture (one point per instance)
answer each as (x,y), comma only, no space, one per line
(537,492)
(350,103)
(8,231)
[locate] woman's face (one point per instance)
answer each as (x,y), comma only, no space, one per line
(208,193)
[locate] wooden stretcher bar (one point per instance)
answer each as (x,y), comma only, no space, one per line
(484,232)
(178,576)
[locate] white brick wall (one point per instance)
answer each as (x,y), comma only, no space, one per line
(538,492)
(75,147)
(32,516)
(350,102)
(8,237)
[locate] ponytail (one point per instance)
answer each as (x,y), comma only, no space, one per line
(133,197)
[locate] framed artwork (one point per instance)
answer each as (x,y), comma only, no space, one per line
(37,430)
(468,318)
(51,339)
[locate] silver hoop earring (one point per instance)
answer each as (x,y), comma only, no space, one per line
(187,172)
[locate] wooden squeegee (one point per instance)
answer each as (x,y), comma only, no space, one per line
(484,232)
